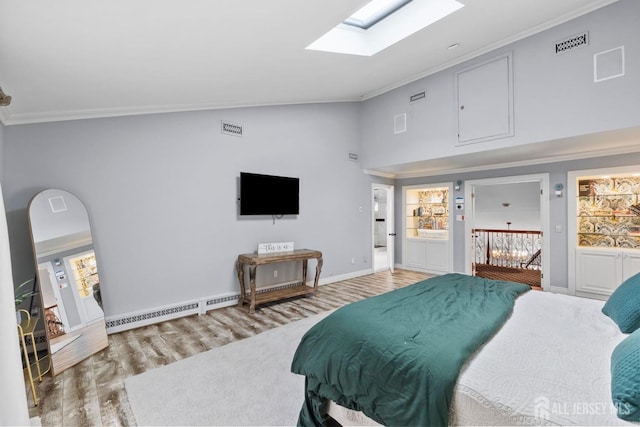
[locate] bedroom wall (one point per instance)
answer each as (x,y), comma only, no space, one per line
(1,153)
(554,95)
(557,205)
(161,191)
(13,405)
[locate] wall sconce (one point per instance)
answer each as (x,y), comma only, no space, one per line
(558,189)
(4,99)
(458,184)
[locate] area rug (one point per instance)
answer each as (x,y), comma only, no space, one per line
(247,382)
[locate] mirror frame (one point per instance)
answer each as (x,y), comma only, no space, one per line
(74,321)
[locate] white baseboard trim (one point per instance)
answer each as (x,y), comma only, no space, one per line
(347,276)
(150,316)
(558,290)
(421,270)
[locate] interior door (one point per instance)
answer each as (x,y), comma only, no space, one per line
(391,229)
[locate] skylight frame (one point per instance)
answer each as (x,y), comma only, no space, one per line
(403,22)
(374,12)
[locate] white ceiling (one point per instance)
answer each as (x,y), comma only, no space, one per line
(71,59)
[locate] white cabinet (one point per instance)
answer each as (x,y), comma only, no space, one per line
(416,253)
(426,244)
(603,229)
(437,255)
(485,101)
(431,255)
(599,271)
(630,264)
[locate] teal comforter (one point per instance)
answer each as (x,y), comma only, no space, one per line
(396,357)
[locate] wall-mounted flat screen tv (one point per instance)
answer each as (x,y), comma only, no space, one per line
(268,194)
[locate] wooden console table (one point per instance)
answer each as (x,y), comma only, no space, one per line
(254,260)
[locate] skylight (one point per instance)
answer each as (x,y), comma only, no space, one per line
(374,12)
(382,23)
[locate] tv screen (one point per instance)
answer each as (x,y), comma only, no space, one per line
(268,194)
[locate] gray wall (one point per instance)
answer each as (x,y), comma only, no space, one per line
(554,95)
(557,205)
(161,191)
(1,153)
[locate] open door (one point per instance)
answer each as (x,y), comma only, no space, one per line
(391,233)
(383,230)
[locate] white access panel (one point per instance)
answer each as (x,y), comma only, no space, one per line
(485,101)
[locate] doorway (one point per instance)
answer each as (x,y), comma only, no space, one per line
(383,234)
(506,224)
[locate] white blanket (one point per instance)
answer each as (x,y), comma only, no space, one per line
(549,364)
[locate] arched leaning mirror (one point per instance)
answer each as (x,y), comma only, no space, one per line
(68,278)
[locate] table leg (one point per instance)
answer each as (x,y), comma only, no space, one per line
(317,278)
(240,271)
(304,272)
(252,284)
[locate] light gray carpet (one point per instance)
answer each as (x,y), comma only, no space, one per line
(247,382)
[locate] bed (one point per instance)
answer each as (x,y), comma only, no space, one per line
(545,360)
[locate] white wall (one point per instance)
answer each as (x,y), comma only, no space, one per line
(13,401)
(554,95)
(523,211)
(161,191)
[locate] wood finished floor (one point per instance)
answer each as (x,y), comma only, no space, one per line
(93,393)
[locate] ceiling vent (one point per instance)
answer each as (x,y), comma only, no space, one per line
(572,42)
(231,129)
(418,96)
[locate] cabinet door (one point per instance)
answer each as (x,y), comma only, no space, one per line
(630,264)
(598,271)
(438,255)
(416,255)
(484,101)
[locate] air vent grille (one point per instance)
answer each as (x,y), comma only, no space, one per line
(418,96)
(231,129)
(572,42)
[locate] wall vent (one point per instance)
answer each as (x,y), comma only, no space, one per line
(400,123)
(233,129)
(573,42)
(608,64)
(418,96)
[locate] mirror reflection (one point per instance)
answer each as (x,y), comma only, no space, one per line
(68,278)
